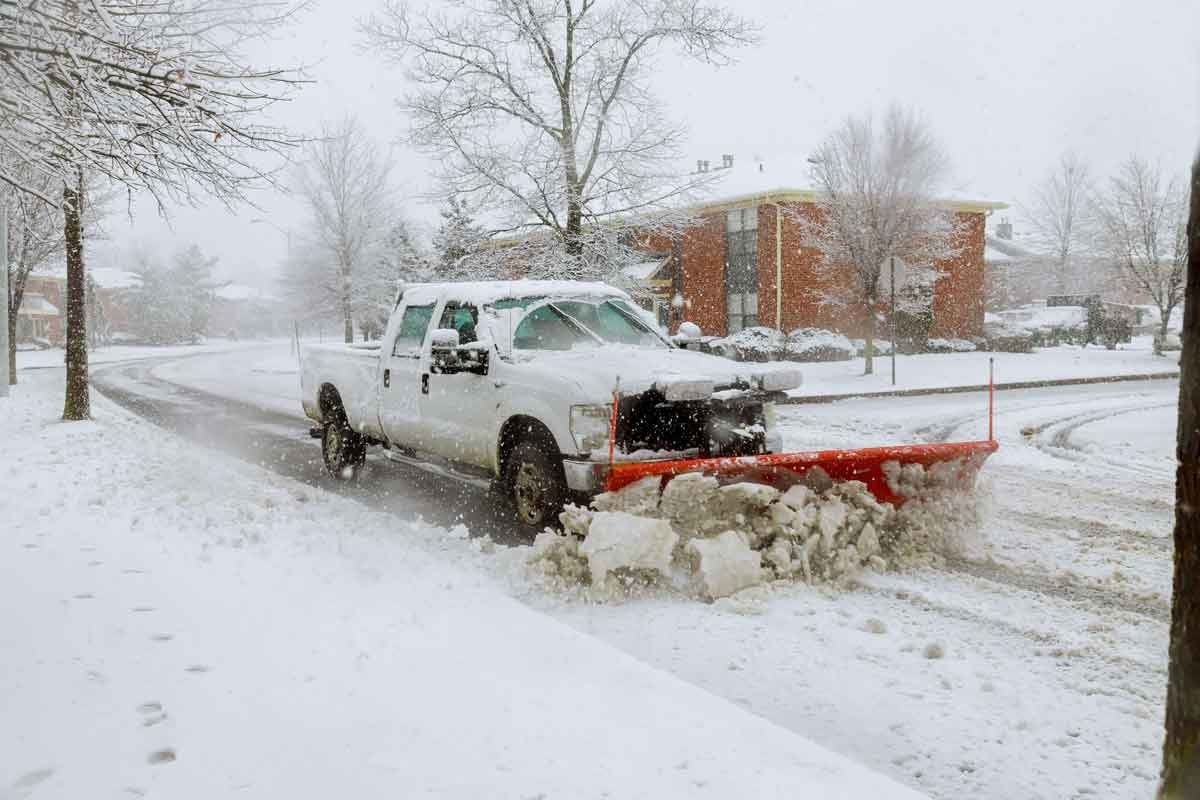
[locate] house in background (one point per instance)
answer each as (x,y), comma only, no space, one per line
(742,264)
(42,320)
(244,312)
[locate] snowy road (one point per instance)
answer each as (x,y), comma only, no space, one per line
(257,428)
(1052,624)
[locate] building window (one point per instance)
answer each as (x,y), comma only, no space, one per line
(741,269)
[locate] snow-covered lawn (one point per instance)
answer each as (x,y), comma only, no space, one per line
(944,370)
(179,624)
(53,357)
(265,377)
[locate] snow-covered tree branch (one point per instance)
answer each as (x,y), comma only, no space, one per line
(878,187)
(541,110)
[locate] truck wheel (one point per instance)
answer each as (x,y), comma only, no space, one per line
(536,485)
(342,448)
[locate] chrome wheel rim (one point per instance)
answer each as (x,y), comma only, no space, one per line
(529,492)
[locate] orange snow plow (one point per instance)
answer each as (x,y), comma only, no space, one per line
(877,467)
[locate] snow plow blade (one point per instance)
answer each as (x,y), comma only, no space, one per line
(784,469)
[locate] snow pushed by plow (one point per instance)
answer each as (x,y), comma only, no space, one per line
(711,540)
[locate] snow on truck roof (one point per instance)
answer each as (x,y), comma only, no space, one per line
(488,292)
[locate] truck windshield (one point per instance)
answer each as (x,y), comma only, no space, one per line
(569,324)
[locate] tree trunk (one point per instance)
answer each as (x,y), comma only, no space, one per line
(347,312)
(1161,339)
(869,350)
(1181,747)
(77,404)
(13,307)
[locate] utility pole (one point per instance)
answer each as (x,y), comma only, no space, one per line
(4,376)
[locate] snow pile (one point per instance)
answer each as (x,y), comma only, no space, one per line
(1042,318)
(815,344)
(716,540)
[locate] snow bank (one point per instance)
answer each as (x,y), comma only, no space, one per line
(815,344)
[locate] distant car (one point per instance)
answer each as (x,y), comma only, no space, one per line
(515,382)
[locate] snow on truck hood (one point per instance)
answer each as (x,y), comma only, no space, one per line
(678,374)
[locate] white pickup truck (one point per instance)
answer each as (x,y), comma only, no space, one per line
(515,382)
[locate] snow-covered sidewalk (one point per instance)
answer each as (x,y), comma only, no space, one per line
(937,371)
(184,625)
(108,354)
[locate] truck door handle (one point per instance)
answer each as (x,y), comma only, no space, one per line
(387,378)
(425,383)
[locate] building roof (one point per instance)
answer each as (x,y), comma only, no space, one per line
(757,180)
(1001,251)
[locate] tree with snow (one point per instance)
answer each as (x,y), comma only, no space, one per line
(1058,213)
(1181,745)
(877,186)
(155,96)
(396,260)
(542,113)
(457,239)
(172,302)
(344,181)
(34,240)
(1141,219)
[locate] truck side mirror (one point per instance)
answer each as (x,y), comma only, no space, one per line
(443,349)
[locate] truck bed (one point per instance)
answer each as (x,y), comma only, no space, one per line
(353,370)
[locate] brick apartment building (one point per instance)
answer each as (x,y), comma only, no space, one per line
(743,264)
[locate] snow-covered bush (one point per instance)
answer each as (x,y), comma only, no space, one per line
(815,344)
(883,347)
(950,346)
(752,344)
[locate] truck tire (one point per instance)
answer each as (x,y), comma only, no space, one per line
(342,448)
(536,485)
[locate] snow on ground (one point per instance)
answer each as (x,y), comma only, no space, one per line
(265,377)
(1033,668)
(54,357)
(190,626)
(942,370)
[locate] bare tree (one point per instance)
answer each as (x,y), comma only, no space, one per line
(541,109)
(34,239)
(1181,746)
(877,199)
(155,95)
(1058,215)
(344,181)
(1142,229)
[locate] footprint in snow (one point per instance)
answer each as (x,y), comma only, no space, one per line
(198,668)
(85,596)
(162,637)
(161,756)
(153,707)
(141,609)
(29,780)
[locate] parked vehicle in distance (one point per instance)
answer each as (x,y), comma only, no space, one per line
(514,382)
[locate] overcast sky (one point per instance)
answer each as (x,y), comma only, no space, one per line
(1006,86)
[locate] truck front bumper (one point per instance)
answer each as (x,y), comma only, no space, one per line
(584,475)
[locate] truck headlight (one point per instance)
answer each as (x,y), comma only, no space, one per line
(589,425)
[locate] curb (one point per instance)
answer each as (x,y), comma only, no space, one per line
(980,387)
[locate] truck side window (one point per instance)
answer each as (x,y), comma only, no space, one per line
(411,335)
(462,318)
